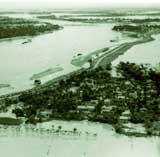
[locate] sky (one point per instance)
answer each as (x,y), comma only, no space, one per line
(69,3)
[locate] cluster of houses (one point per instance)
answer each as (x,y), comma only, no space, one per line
(112,94)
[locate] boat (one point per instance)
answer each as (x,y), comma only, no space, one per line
(79,54)
(28,41)
(114,40)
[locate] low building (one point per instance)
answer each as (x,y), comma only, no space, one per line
(107,101)
(106,109)
(44,114)
(126,113)
(125,117)
(85,108)
(73,89)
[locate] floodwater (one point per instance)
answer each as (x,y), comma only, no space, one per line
(18,62)
(91,140)
(147,53)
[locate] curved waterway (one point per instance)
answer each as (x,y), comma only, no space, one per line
(19,62)
(90,140)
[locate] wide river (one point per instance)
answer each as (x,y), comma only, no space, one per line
(18,62)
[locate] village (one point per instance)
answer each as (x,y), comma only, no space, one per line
(128,101)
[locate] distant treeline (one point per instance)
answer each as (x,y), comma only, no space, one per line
(136,28)
(47,17)
(4,20)
(13,27)
(26,30)
(109,20)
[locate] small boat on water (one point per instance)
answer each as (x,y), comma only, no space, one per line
(114,40)
(28,41)
(79,54)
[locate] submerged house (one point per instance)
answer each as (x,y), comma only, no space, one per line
(44,114)
(106,109)
(125,117)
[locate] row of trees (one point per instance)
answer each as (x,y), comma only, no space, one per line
(4,20)
(110,20)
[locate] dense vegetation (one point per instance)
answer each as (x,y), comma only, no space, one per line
(13,27)
(26,30)
(130,28)
(4,20)
(137,28)
(137,89)
(47,17)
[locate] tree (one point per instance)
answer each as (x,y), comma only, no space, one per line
(18,112)
(37,82)
(98,107)
(109,67)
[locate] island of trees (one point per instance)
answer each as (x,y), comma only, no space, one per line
(13,27)
(133,96)
(137,28)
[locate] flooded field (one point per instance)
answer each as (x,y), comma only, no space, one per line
(91,140)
